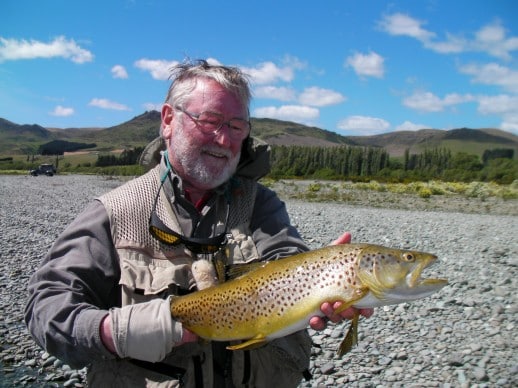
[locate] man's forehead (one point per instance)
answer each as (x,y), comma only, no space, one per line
(210,95)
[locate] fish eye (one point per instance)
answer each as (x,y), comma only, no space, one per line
(407,256)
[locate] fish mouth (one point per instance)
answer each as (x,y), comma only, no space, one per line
(414,281)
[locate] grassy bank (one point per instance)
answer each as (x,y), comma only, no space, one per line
(474,197)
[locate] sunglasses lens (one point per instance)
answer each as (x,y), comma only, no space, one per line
(165,235)
(202,249)
(168,238)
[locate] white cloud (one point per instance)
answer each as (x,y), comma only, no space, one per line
(296,113)
(268,73)
(453,44)
(315,96)
(409,126)
(400,24)
(500,104)
(369,65)
(493,74)
(107,104)
(490,39)
(424,101)
(152,106)
(294,62)
(277,93)
(510,123)
(62,111)
(213,61)
(159,69)
(13,49)
(429,102)
(364,124)
(119,71)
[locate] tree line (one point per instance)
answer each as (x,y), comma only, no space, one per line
(343,163)
(327,162)
(59,147)
(365,163)
(126,158)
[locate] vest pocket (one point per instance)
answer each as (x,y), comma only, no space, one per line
(241,246)
(144,278)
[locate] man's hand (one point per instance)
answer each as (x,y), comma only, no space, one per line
(188,336)
(144,331)
(328,308)
(319,323)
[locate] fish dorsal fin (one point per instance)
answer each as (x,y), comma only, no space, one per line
(236,270)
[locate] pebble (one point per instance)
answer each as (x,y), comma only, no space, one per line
(462,336)
(327,368)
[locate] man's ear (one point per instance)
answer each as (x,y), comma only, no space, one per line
(167,119)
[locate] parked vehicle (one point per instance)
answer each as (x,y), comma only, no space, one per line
(44,169)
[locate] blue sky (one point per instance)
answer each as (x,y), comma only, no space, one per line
(356,67)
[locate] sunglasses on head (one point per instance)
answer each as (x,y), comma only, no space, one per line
(197,245)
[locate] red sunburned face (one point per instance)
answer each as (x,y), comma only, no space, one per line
(205,160)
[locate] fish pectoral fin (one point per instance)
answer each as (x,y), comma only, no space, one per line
(351,338)
(360,293)
(253,343)
(371,281)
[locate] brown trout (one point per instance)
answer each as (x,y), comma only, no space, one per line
(279,297)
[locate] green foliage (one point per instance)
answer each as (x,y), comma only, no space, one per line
(325,173)
(127,157)
(59,147)
(327,162)
(425,192)
(362,164)
(314,187)
(500,170)
(488,155)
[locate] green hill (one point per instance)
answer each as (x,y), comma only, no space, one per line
(22,139)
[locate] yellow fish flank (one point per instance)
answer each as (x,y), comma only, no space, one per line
(279,297)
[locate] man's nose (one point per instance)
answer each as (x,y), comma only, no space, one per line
(222,135)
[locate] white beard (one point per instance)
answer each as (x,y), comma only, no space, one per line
(196,170)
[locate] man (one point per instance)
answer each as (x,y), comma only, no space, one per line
(101,296)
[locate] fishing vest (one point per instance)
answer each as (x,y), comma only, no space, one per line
(151,269)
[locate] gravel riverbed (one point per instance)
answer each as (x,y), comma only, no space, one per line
(463,336)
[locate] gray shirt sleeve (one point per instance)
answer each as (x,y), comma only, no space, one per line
(73,289)
(272,231)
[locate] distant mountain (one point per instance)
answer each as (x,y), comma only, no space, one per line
(474,141)
(138,131)
(23,139)
(15,132)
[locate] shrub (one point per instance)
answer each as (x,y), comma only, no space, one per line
(425,192)
(314,187)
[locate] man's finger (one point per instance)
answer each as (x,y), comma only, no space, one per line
(343,239)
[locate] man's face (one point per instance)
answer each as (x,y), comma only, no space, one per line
(204,161)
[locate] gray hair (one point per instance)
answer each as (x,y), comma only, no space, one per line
(185,75)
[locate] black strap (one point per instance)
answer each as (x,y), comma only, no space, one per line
(161,367)
(198,372)
(221,364)
(173,371)
(246,367)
